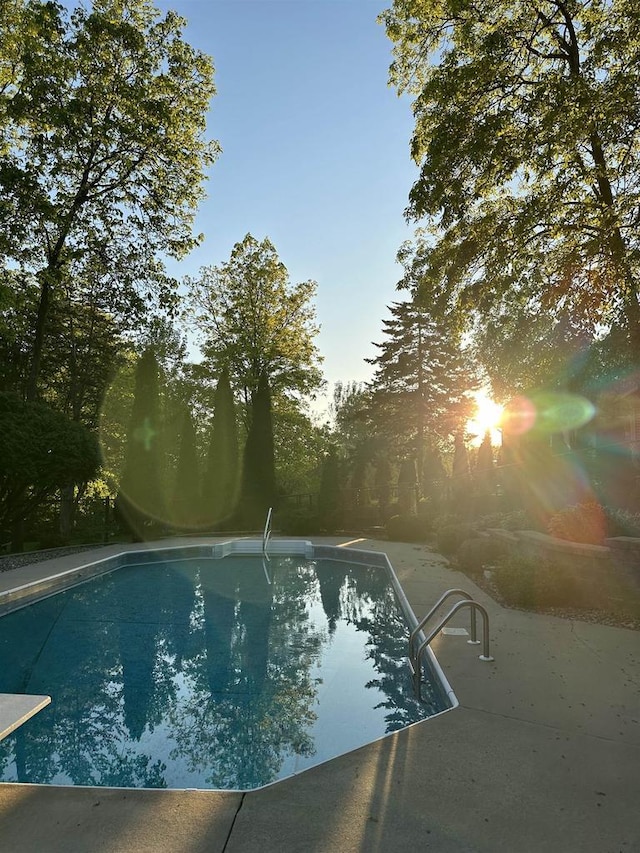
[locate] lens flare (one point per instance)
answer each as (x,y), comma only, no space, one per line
(546,412)
(518,416)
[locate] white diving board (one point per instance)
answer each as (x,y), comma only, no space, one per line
(17,708)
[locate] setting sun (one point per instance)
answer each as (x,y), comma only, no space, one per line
(487,417)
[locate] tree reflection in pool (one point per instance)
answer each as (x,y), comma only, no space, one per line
(202,674)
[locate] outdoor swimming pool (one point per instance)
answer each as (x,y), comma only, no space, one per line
(208,673)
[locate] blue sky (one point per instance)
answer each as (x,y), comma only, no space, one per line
(315,156)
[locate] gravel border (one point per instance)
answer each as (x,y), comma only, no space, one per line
(16,561)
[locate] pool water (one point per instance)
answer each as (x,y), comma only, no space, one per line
(208,673)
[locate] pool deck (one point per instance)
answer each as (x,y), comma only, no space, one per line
(543,754)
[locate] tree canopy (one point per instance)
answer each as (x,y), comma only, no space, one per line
(102,148)
(252,319)
(526,134)
(41,451)
(423,375)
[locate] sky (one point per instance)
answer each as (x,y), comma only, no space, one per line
(315,157)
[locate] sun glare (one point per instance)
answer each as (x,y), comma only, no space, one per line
(486,418)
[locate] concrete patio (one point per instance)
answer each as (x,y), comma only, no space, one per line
(542,754)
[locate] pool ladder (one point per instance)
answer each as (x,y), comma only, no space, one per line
(416,651)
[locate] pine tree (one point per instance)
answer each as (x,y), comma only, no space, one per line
(422,378)
(221,480)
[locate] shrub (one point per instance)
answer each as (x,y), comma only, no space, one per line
(623,523)
(50,539)
(531,584)
(451,536)
(586,522)
(406,528)
(298,523)
(476,553)
(516,520)
(362,517)
(445,519)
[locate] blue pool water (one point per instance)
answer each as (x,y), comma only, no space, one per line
(202,674)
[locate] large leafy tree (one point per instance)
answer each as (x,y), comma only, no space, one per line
(253,320)
(102,149)
(356,432)
(526,134)
(299,445)
(41,452)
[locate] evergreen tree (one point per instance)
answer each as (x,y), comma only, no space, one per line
(434,475)
(460,475)
(258,490)
(407,487)
(484,469)
(140,497)
(185,509)
(422,378)
(221,480)
(383,484)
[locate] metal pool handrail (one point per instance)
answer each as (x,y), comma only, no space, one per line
(415,660)
(461,592)
(267,531)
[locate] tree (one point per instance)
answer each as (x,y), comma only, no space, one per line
(221,480)
(253,320)
(299,444)
(140,497)
(422,380)
(383,484)
(258,489)
(329,494)
(41,452)
(526,136)
(357,437)
(85,349)
(407,487)
(484,472)
(460,475)
(350,411)
(185,509)
(102,155)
